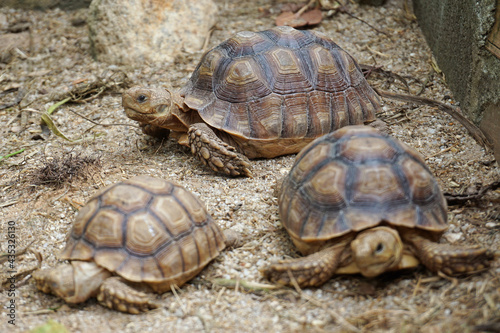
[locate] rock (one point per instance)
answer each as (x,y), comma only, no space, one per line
(138,31)
(453,237)
(12,45)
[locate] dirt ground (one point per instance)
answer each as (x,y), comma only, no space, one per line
(411,301)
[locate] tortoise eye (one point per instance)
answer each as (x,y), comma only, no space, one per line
(142,98)
(380,248)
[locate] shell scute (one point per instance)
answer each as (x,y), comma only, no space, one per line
(357,178)
(277,85)
(146,230)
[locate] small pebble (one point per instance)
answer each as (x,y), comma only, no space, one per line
(453,237)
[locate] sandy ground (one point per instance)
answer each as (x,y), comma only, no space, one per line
(411,301)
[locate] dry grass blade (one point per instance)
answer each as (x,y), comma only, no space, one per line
(19,97)
(47,119)
(245,285)
(335,316)
(455,112)
(456,199)
(383,319)
(178,299)
(21,276)
(82,91)
(368,70)
(8,203)
(4,256)
(60,170)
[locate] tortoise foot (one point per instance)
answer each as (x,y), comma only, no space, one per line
(218,155)
(311,271)
(117,295)
(451,260)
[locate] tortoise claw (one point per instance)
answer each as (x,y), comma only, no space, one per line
(451,260)
(311,271)
(218,155)
(117,295)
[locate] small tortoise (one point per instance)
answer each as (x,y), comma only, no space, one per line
(144,233)
(258,94)
(358,201)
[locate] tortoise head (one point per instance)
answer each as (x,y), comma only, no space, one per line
(377,250)
(148,105)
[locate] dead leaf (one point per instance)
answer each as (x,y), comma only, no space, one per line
(310,17)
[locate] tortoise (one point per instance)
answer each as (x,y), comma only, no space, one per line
(359,201)
(258,95)
(143,234)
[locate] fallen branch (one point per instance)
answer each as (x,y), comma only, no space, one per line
(453,111)
(367,70)
(457,199)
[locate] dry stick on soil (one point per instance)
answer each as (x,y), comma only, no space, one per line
(378,318)
(99,124)
(367,70)
(5,256)
(338,318)
(254,287)
(20,95)
(455,112)
(457,199)
(82,92)
(342,9)
(178,299)
(441,151)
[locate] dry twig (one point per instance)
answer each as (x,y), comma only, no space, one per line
(457,199)
(455,112)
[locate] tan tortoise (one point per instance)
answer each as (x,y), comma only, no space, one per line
(143,234)
(359,201)
(258,94)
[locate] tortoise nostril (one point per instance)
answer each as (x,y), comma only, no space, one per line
(380,248)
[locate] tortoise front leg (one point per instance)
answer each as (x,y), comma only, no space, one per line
(215,153)
(310,271)
(449,259)
(117,295)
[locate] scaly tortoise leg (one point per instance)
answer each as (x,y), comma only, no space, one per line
(310,271)
(215,153)
(449,259)
(117,295)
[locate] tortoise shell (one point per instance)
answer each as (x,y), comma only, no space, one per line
(279,84)
(145,230)
(357,178)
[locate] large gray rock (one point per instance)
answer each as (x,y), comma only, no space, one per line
(138,31)
(456,31)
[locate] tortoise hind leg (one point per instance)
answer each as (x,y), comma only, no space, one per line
(310,271)
(215,153)
(449,259)
(117,295)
